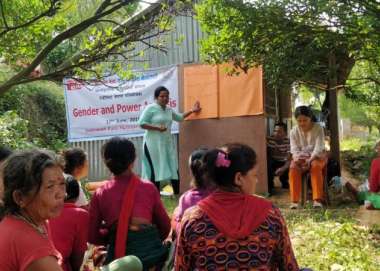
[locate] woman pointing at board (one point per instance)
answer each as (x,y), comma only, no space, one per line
(159,161)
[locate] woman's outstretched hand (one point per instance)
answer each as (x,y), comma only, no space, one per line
(196,107)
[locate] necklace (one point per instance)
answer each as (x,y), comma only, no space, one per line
(40,229)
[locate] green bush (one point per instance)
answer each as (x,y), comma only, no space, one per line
(14,131)
(42,106)
(352,144)
(357,155)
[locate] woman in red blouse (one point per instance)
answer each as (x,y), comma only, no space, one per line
(129,209)
(70,229)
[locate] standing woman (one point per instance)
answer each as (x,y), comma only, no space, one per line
(307,147)
(159,158)
(34,191)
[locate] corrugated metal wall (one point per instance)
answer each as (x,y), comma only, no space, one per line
(187,31)
(97,169)
(182,44)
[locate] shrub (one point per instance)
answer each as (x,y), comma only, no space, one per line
(42,106)
(14,131)
(357,155)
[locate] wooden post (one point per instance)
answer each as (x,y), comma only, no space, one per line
(277,101)
(333,108)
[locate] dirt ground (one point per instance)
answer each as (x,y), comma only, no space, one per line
(338,200)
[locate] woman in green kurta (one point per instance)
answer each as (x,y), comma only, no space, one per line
(159,161)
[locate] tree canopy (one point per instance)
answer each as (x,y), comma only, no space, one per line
(295,40)
(50,39)
(363,85)
(359,114)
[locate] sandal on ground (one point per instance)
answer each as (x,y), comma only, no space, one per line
(294,205)
(317,204)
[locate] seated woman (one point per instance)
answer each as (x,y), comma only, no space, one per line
(129,208)
(34,191)
(200,188)
(307,147)
(70,229)
(76,165)
(232,229)
(370,195)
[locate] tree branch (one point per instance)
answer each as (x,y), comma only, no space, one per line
(120,30)
(103,6)
(3,15)
(368,79)
(153,46)
(52,9)
(109,21)
(60,74)
(67,34)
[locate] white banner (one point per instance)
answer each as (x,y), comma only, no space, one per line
(113,107)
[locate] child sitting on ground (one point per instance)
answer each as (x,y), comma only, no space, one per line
(200,188)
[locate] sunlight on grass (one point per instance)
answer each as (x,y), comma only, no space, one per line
(351,144)
(332,240)
(326,240)
(355,143)
(170,203)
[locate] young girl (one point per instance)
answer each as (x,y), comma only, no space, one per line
(200,188)
(76,164)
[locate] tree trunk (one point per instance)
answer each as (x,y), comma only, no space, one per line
(277,102)
(333,108)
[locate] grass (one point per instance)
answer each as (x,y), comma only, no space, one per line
(330,240)
(170,203)
(333,240)
(355,143)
